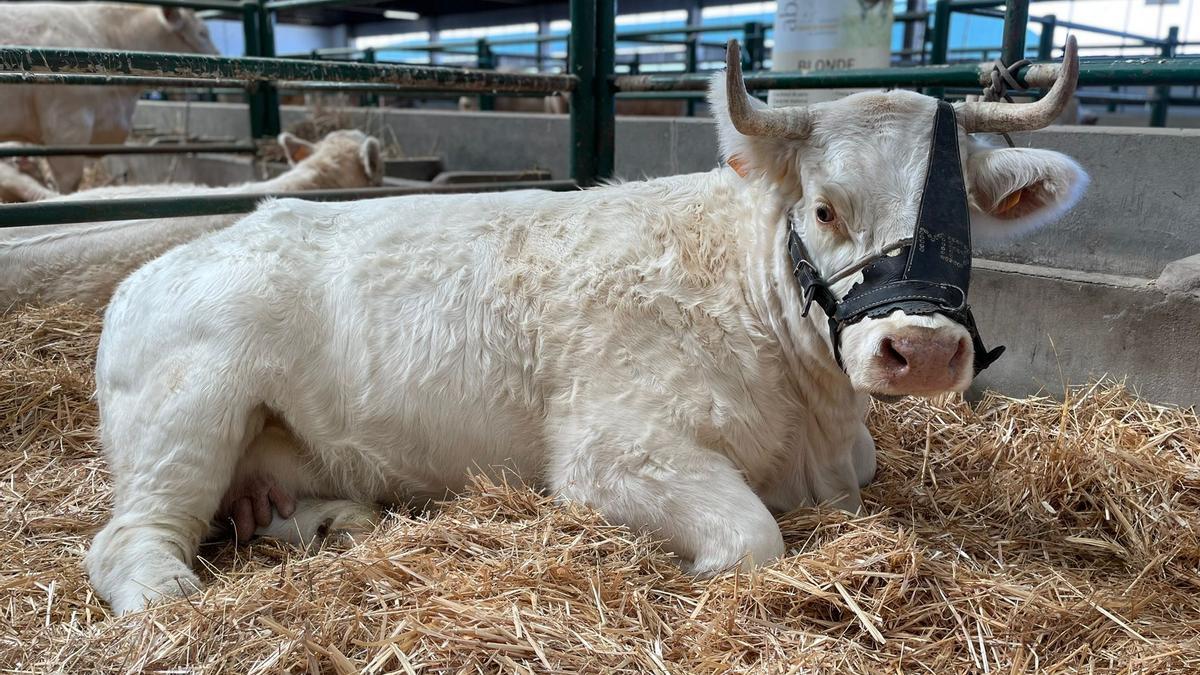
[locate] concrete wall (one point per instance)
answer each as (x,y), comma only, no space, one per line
(1081,299)
(1062,327)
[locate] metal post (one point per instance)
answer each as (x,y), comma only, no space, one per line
(1046,41)
(693,62)
(940,41)
(543,29)
(914,33)
(606,101)
(1016,23)
(485,61)
(755,46)
(266,43)
(581,52)
(251,35)
(1162,94)
(371,100)
(940,47)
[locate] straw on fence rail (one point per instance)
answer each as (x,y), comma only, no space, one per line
(252,69)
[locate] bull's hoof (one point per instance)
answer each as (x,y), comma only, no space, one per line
(154,583)
(319,521)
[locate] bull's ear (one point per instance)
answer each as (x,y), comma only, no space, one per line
(749,155)
(1014,191)
(371,155)
(173,18)
(295,149)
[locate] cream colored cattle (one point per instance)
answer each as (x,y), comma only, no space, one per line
(638,347)
(85,262)
(71,114)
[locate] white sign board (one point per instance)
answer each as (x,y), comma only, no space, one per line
(813,35)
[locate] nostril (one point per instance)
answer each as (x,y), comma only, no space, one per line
(891,355)
(960,355)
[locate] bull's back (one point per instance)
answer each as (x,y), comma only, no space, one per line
(432,333)
(30,109)
(374,327)
(48,24)
(84,264)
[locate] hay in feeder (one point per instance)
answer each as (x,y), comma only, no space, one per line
(1006,536)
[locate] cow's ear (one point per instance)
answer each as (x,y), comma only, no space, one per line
(371,155)
(295,149)
(1014,191)
(749,156)
(174,18)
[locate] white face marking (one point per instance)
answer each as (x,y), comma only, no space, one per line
(854,170)
(866,161)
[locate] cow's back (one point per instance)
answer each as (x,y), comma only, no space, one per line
(48,24)
(445,330)
(375,325)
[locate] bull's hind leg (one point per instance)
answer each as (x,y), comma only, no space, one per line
(316,521)
(172,439)
(279,492)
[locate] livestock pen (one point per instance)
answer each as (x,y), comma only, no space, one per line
(1001,534)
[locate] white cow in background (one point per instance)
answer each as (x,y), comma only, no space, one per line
(638,347)
(85,262)
(72,114)
(18,186)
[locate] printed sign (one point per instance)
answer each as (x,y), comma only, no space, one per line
(814,35)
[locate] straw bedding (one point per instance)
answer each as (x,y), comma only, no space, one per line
(1004,536)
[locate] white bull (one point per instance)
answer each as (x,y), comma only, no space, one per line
(18,186)
(73,114)
(636,347)
(84,263)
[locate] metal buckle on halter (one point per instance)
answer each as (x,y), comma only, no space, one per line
(808,284)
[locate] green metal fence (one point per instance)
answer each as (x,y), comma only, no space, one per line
(933,51)
(590,78)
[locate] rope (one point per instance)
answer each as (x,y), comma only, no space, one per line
(1004,79)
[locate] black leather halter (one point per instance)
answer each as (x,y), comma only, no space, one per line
(927,274)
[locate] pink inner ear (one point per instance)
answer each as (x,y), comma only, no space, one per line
(739,165)
(1020,203)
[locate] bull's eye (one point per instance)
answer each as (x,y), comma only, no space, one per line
(825,214)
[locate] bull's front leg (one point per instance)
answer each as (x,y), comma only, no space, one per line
(864,456)
(635,469)
(69,118)
(826,471)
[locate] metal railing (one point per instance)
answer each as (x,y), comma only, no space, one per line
(934,48)
(590,78)
(259,75)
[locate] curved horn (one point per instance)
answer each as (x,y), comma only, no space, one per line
(999,117)
(791,123)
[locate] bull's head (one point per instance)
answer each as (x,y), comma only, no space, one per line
(884,191)
(186,32)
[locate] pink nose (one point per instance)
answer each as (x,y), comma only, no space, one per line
(920,360)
